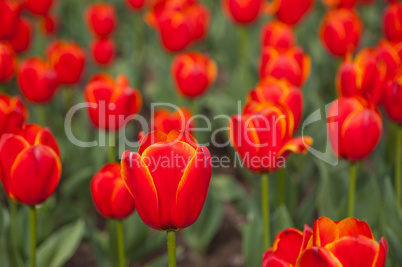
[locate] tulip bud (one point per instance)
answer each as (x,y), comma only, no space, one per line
(22,37)
(354,128)
(193,73)
(50,25)
(30,164)
(109,193)
(37,81)
(10,11)
(392,100)
(111,102)
(168,178)
(8,62)
(101,19)
(392,20)
(200,21)
(340,3)
(340,31)
(390,57)
(289,11)
(13,113)
(67,59)
(103,51)
(38,7)
(278,35)
(243,12)
(135,4)
(181,120)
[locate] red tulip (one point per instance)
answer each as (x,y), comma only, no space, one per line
(392,20)
(193,73)
(165,121)
(389,55)
(22,37)
(38,7)
(101,19)
(278,92)
(30,164)
(67,59)
(263,136)
(37,81)
(8,62)
(112,102)
(135,4)
(170,195)
(9,14)
(278,35)
(109,193)
(354,128)
(50,24)
(340,3)
(13,113)
(243,11)
(293,65)
(340,31)
(103,51)
(392,100)
(200,21)
(289,11)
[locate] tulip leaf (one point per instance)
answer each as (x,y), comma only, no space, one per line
(61,245)
(395,247)
(281,220)
(228,188)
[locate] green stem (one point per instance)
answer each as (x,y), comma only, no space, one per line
(112,147)
(398,182)
(243,60)
(171,243)
(14,229)
(352,186)
(265,209)
(41,114)
(32,221)
(68,98)
(120,244)
(281,186)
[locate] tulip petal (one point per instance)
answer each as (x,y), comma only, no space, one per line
(150,139)
(269,260)
(287,245)
(324,231)
(307,234)
(296,145)
(382,253)
(353,227)
(317,256)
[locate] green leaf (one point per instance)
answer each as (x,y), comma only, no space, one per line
(228,188)
(61,245)
(281,220)
(395,246)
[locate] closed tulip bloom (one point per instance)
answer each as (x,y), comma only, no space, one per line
(10,11)
(111,101)
(50,25)
(13,113)
(68,60)
(289,11)
(392,100)
(200,21)
(263,136)
(8,62)
(168,178)
(30,164)
(278,35)
(340,3)
(243,11)
(293,64)
(193,73)
(166,121)
(354,128)
(22,37)
(101,19)
(389,55)
(38,7)
(110,194)
(340,31)
(392,20)
(103,51)
(135,4)
(36,80)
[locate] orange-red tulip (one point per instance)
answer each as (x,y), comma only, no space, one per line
(293,64)
(278,35)
(393,22)
(289,11)
(22,37)
(38,7)
(340,31)
(13,113)
(67,59)
(8,62)
(101,19)
(340,3)
(110,194)
(9,14)
(103,51)
(37,81)
(263,136)
(243,11)
(168,178)
(135,4)
(111,102)
(389,55)
(193,73)
(392,100)
(30,164)
(354,127)
(166,121)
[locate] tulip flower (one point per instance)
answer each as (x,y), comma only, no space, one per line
(243,12)
(349,242)
(67,59)
(392,20)
(22,38)
(340,31)
(50,24)
(390,56)
(103,51)
(169,196)
(13,113)
(166,121)
(112,102)
(36,80)
(340,3)
(9,14)
(193,73)
(8,62)
(277,35)
(293,65)
(290,12)
(101,19)
(135,4)
(38,7)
